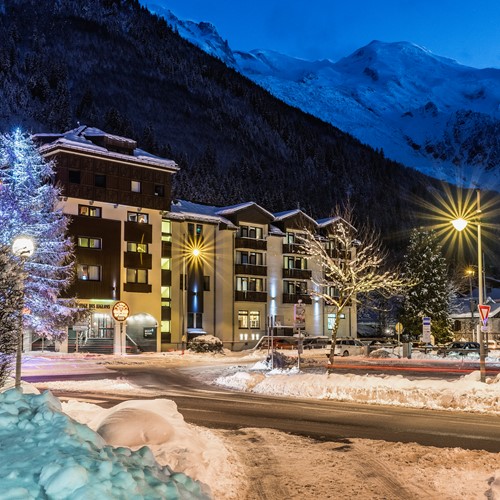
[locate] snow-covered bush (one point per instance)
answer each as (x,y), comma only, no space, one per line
(206,343)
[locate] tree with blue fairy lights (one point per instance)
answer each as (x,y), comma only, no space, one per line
(29,207)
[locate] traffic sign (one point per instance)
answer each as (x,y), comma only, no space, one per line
(426,320)
(484,311)
(399,328)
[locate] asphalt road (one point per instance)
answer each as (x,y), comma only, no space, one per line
(323,420)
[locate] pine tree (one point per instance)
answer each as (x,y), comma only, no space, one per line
(28,207)
(432,292)
(10,312)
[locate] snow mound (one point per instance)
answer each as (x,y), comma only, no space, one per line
(69,460)
(150,428)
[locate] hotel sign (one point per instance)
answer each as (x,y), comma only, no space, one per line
(120,311)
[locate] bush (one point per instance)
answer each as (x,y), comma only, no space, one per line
(206,343)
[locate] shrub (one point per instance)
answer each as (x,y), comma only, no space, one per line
(206,343)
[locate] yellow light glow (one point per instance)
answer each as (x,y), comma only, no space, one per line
(196,252)
(459,224)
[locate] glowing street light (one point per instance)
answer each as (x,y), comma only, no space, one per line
(460,224)
(23,247)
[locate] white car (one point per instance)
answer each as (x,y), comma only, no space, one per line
(348,347)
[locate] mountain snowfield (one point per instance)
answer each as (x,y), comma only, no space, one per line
(425,111)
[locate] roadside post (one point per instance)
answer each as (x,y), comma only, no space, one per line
(399,331)
(120,313)
(299,323)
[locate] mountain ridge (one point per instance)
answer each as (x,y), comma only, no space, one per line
(397,96)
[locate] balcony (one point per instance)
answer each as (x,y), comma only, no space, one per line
(249,296)
(137,259)
(294,248)
(251,243)
(250,269)
(293,298)
(300,274)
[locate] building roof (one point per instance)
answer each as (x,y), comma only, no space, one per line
(187,210)
(281,216)
(233,209)
(91,140)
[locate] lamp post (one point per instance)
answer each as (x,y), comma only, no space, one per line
(460,224)
(23,248)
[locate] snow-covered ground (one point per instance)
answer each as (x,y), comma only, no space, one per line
(44,449)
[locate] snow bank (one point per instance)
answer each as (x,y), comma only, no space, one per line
(465,394)
(46,454)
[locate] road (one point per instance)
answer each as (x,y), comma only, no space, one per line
(322,420)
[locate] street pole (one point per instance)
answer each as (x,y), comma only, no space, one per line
(482,364)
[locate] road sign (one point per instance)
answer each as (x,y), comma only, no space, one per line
(399,328)
(484,311)
(120,311)
(426,321)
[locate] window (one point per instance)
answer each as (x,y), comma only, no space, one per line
(88,273)
(244,284)
(294,263)
(195,227)
(206,283)
(137,275)
(295,287)
(242,319)
(254,319)
(251,232)
(254,258)
(331,319)
(166,227)
(137,247)
(87,242)
(137,217)
(135,186)
(159,190)
(100,180)
(89,211)
(74,176)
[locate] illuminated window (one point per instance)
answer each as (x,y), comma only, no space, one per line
(137,217)
(87,242)
(88,273)
(137,275)
(135,186)
(89,211)
(254,319)
(246,284)
(242,319)
(137,247)
(331,319)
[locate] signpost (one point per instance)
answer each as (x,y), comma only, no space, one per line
(299,322)
(120,313)
(399,331)
(426,329)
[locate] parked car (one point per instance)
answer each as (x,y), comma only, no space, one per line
(286,343)
(316,342)
(348,347)
(460,348)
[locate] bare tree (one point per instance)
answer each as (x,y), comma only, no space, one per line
(353,265)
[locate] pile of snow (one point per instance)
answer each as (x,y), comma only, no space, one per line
(464,394)
(46,454)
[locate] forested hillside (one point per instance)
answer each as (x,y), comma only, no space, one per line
(113,65)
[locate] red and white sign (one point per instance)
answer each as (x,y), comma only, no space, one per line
(484,311)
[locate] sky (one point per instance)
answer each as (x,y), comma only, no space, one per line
(464,30)
(225,461)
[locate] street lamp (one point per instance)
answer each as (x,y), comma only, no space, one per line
(23,248)
(460,224)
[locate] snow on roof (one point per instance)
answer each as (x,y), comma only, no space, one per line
(240,206)
(279,216)
(464,312)
(327,221)
(78,140)
(276,231)
(187,210)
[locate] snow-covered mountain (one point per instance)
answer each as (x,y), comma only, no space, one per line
(426,111)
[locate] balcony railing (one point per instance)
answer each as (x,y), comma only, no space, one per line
(250,269)
(251,243)
(249,296)
(295,248)
(293,298)
(300,274)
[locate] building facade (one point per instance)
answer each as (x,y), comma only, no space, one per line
(182,268)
